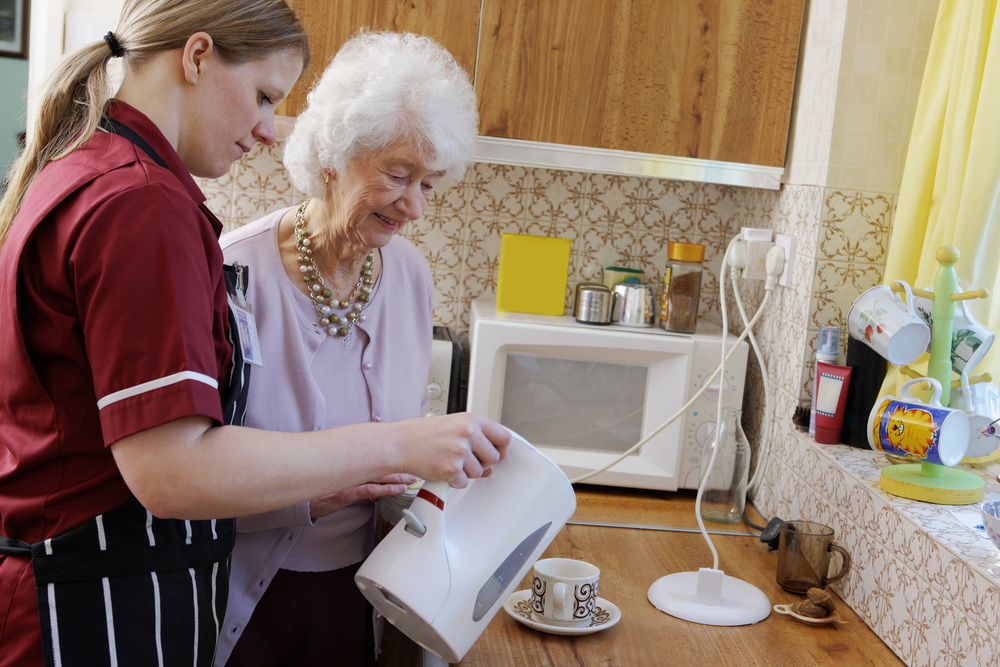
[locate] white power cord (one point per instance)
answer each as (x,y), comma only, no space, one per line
(747,331)
(709,596)
(774,265)
(621,457)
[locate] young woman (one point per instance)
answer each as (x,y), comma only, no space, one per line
(118,350)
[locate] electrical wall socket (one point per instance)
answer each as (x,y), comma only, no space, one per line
(756,266)
(788,243)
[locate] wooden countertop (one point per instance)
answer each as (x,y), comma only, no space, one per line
(632,559)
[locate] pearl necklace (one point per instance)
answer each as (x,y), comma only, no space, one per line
(321,295)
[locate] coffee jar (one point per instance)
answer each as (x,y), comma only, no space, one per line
(681,287)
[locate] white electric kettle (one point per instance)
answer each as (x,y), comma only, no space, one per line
(446,569)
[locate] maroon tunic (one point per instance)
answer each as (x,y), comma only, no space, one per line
(112,321)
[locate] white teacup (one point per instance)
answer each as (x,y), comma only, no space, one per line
(564,591)
(981,402)
(970,339)
(890,326)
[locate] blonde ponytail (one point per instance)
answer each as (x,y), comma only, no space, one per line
(72,98)
(76,92)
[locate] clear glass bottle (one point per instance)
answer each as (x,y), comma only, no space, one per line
(682,287)
(725,494)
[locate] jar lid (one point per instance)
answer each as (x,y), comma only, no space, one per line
(686,252)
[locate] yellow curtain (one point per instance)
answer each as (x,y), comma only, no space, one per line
(950,191)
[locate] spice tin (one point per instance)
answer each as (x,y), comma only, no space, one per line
(681,287)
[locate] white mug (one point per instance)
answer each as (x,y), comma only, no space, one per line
(970,340)
(890,326)
(981,402)
(564,591)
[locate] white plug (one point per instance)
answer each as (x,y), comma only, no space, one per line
(774,265)
(738,255)
(788,243)
(756,260)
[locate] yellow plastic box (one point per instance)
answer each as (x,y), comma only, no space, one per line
(533,274)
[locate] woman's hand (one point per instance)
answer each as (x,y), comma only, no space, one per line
(452,448)
(390,485)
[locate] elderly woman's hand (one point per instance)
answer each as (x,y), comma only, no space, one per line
(452,448)
(390,485)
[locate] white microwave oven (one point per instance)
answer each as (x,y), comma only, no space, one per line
(583,394)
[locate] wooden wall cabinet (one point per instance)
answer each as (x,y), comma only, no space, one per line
(330,23)
(673,88)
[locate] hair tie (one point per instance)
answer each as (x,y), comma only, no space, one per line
(116,49)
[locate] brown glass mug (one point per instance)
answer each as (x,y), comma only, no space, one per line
(804,556)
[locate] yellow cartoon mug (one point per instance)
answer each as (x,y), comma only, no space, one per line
(921,432)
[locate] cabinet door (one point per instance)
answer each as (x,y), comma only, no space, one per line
(330,23)
(711,79)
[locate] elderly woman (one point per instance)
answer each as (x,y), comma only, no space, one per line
(343,309)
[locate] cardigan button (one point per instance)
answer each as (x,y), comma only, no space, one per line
(367,365)
(376,418)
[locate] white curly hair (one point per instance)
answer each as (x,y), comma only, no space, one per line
(381,88)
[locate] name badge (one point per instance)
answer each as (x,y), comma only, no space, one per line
(247,330)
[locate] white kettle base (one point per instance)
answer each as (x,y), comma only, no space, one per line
(742,603)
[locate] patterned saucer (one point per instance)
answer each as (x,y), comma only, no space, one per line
(518,605)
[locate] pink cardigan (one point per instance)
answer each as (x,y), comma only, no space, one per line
(285,396)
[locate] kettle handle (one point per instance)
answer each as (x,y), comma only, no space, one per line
(420,517)
(439,491)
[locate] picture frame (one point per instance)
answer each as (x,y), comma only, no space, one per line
(14,28)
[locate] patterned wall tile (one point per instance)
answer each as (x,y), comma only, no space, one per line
(497,190)
(448,305)
(642,203)
(860,588)
(798,213)
(475,285)
(792,302)
(937,620)
(981,597)
(558,197)
(837,285)
(250,206)
(974,645)
(898,592)
(261,172)
(440,239)
(855,227)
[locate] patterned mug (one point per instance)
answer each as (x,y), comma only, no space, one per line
(564,592)
(921,432)
(981,403)
(970,340)
(887,324)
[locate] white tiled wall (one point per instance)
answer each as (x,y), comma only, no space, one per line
(859,76)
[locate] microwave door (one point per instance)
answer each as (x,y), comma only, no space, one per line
(583,412)
(566,403)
